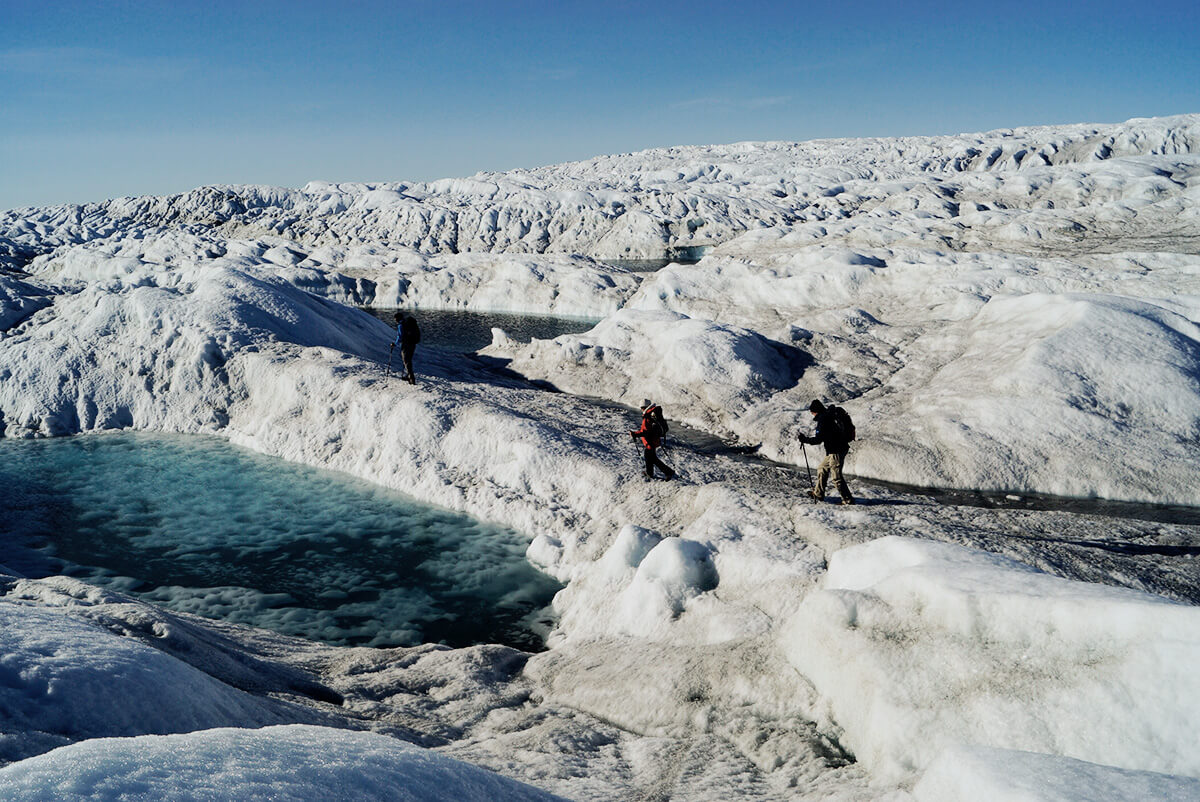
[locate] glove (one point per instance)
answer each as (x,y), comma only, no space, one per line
(392,347)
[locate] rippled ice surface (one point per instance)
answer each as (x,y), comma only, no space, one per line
(198,525)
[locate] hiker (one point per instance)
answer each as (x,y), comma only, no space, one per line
(835,430)
(653,429)
(408,334)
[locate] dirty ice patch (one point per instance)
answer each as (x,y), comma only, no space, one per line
(999,774)
(283,762)
(961,646)
(702,372)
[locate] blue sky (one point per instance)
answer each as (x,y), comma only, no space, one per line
(104,99)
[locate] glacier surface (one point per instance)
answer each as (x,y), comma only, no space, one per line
(1014,311)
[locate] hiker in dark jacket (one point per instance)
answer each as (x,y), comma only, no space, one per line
(651,434)
(408,334)
(837,446)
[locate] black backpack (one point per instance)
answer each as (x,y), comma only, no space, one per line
(410,332)
(656,424)
(841,420)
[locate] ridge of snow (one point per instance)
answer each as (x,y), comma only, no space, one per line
(634,205)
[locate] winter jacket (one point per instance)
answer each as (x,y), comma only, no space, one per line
(829,433)
(650,432)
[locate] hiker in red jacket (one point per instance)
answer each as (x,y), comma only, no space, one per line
(652,432)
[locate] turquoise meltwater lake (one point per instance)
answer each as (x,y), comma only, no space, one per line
(195,524)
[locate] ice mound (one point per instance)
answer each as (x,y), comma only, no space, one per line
(672,572)
(1034,381)
(996,774)
(64,678)
(147,346)
(281,762)
(701,372)
(923,646)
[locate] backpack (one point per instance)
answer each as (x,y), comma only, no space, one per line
(410,331)
(841,420)
(656,424)
(663,428)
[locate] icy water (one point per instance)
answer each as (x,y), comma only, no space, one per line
(470,331)
(652,265)
(197,525)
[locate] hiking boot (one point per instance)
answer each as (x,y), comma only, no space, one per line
(813,495)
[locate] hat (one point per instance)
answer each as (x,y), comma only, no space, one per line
(646,403)
(816,406)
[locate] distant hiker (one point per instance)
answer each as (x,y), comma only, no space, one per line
(835,430)
(408,334)
(652,432)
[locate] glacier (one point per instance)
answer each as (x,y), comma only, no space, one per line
(1015,311)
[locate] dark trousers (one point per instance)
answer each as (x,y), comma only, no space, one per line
(406,353)
(652,460)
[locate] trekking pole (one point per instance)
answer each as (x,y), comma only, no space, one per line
(389,367)
(807,470)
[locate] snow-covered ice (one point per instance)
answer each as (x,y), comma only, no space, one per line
(979,773)
(1015,311)
(282,762)
(908,636)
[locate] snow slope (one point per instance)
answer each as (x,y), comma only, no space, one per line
(1013,310)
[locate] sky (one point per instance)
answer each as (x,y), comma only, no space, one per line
(108,99)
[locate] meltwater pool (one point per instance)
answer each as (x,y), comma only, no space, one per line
(195,524)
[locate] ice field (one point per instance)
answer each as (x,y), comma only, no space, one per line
(1015,311)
